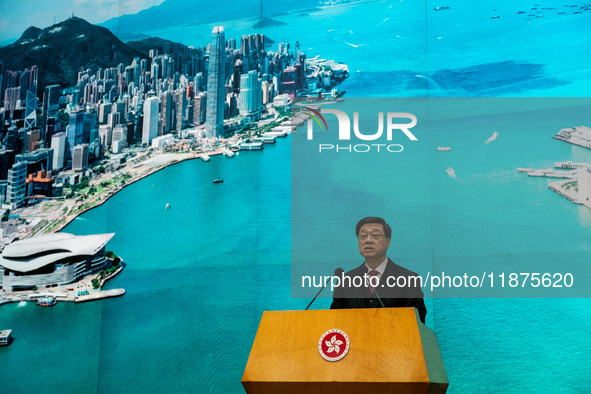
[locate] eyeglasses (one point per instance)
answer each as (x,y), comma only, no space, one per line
(377,237)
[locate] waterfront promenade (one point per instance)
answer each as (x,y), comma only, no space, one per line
(81,291)
(55,214)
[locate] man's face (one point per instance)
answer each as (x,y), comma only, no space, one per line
(372,241)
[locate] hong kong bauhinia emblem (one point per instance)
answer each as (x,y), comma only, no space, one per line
(333,345)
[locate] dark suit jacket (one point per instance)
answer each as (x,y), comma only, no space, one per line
(346,297)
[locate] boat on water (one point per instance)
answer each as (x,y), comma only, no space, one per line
(526,170)
(219,180)
(443,148)
(5,337)
(167,206)
(451,172)
(46,301)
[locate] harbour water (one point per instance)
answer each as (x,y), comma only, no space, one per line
(200,274)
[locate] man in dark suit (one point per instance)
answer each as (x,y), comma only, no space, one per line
(378,278)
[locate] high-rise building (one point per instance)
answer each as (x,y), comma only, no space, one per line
(17,185)
(199,106)
(51,102)
(58,144)
(12,99)
(180,107)
(250,96)
(237,72)
(75,131)
(39,160)
(214,119)
(119,138)
(150,127)
(265,87)
(6,162)
(33,140)
(289,79)
(166,115)
(31,99)
(104,111)
(80,157)
(198,82)
(106,136)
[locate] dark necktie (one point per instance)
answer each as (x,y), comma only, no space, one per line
(372,273)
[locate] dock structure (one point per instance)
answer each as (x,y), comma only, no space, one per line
(204,156)
(228,152)
(99,295)
(569,165)
(550,173)
(251,146)
(276,133)
(559,187)
(580,135)
(265,140)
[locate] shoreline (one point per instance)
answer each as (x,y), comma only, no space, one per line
(128,183)
(64,294)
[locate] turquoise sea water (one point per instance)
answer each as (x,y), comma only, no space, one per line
(200,274)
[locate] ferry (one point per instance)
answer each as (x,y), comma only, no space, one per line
(46,301)
(441,8)
(443,148)
(219,180)
(526,170)
(5,337)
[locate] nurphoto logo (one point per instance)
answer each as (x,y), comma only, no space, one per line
(391,125)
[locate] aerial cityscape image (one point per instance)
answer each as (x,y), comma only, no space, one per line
(170,170)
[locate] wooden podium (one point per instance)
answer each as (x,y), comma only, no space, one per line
(390,351)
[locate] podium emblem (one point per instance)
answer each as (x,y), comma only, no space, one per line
(333,345)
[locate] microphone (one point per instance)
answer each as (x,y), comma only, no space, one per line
(375,292)
(337,272)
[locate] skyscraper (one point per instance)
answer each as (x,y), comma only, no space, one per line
(31,99)
(75,132)
(17,183)
(214,119)
(51,102)
(80,157)
(250,96)
(58,144)
(150,126)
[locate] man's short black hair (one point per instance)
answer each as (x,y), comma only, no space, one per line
(374,219)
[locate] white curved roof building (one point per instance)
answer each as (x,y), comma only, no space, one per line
(51,260)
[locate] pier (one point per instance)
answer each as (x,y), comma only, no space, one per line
(569,165)
(251,146)
(558,187)
(99,295)
(550,173)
